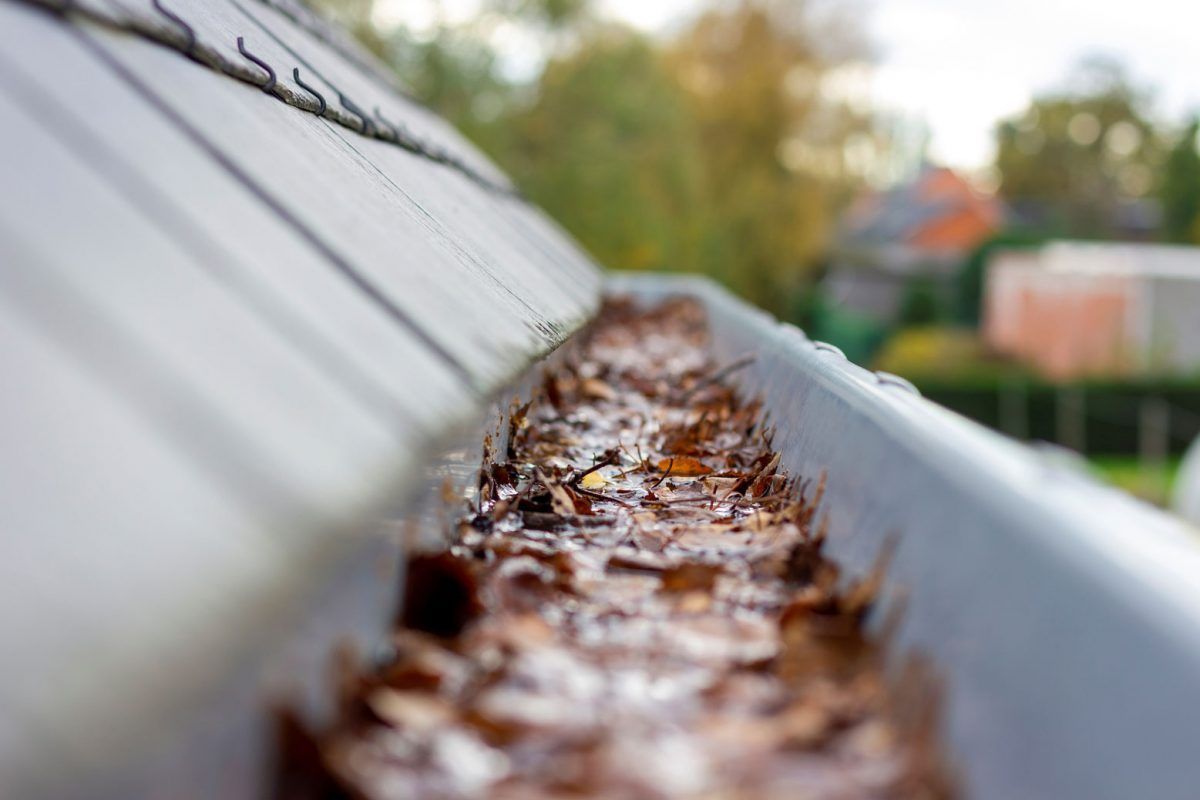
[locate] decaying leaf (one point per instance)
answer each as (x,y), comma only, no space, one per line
(690,576)
(597,389)
(604,627)
(420,711)
(683,466)
(593,481)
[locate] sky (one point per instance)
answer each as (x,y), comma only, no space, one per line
(959,66)
(964,64)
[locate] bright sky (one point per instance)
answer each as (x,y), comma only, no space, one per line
(960,65)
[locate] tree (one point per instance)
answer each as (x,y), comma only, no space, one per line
(454,72)
(610,148)
(921,306)
(1181,187)
(720,151)
(1075,158)
(356,17)
(773,143)
(970,285)
(554,14)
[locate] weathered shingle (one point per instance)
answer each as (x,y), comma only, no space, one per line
(232,332)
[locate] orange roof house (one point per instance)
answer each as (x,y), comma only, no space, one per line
(937,213)
(963,218)
(921,229)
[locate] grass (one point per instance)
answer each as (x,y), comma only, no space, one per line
(1152,484)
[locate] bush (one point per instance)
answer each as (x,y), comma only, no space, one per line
(939,354)
(921,304)
(1111,410)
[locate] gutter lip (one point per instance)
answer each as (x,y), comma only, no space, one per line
(1063,615)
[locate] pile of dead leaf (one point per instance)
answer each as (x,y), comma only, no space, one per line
(638,607)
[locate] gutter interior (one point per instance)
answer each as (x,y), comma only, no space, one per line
(637,605)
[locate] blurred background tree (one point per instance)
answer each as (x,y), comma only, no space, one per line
(611,148)
(720,149)
(1181,187)
(1080,162)
(733,143)
(757,77)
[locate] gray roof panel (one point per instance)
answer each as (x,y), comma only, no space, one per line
(219,219)
(313,434)
(485,321)
(233,335)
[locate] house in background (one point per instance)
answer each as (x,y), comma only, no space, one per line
(1074,309)
(913,237)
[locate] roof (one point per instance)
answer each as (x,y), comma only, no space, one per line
(935,213)
(1122,258)
(248,290)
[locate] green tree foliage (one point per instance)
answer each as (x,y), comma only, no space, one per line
(355,16)
(970,284)
(921,305)
(755,73)
(1074,157)
(554,14)
(455,73)
(610,148)
(1181,188)
(718,151)
(550,15)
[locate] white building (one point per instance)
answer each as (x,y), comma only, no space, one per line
(1073,309)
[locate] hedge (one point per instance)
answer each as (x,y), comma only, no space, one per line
(1112,411)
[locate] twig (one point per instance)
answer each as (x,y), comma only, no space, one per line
(662,478)
(609,457)
(599,496)
(540,520)
(719,375)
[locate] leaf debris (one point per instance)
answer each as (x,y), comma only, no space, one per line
(639,608)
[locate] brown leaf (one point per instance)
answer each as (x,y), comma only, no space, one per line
(594,481)
(413,710)
(690,575)
(593,619)
(562,501)
(597,389)
(441,594)
(683,466)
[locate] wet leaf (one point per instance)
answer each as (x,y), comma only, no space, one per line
(416,710)
(597,390)
(594,481)
(604,627)
(689,576)
(683,466)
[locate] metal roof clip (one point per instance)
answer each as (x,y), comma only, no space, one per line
(189,32)
(269,86)
(350,106)
(320,100)
(389,131)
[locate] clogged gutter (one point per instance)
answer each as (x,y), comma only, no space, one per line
(638,608)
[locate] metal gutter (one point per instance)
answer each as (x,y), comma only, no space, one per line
(1063,616)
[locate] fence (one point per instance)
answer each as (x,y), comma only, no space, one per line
(1094,418)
